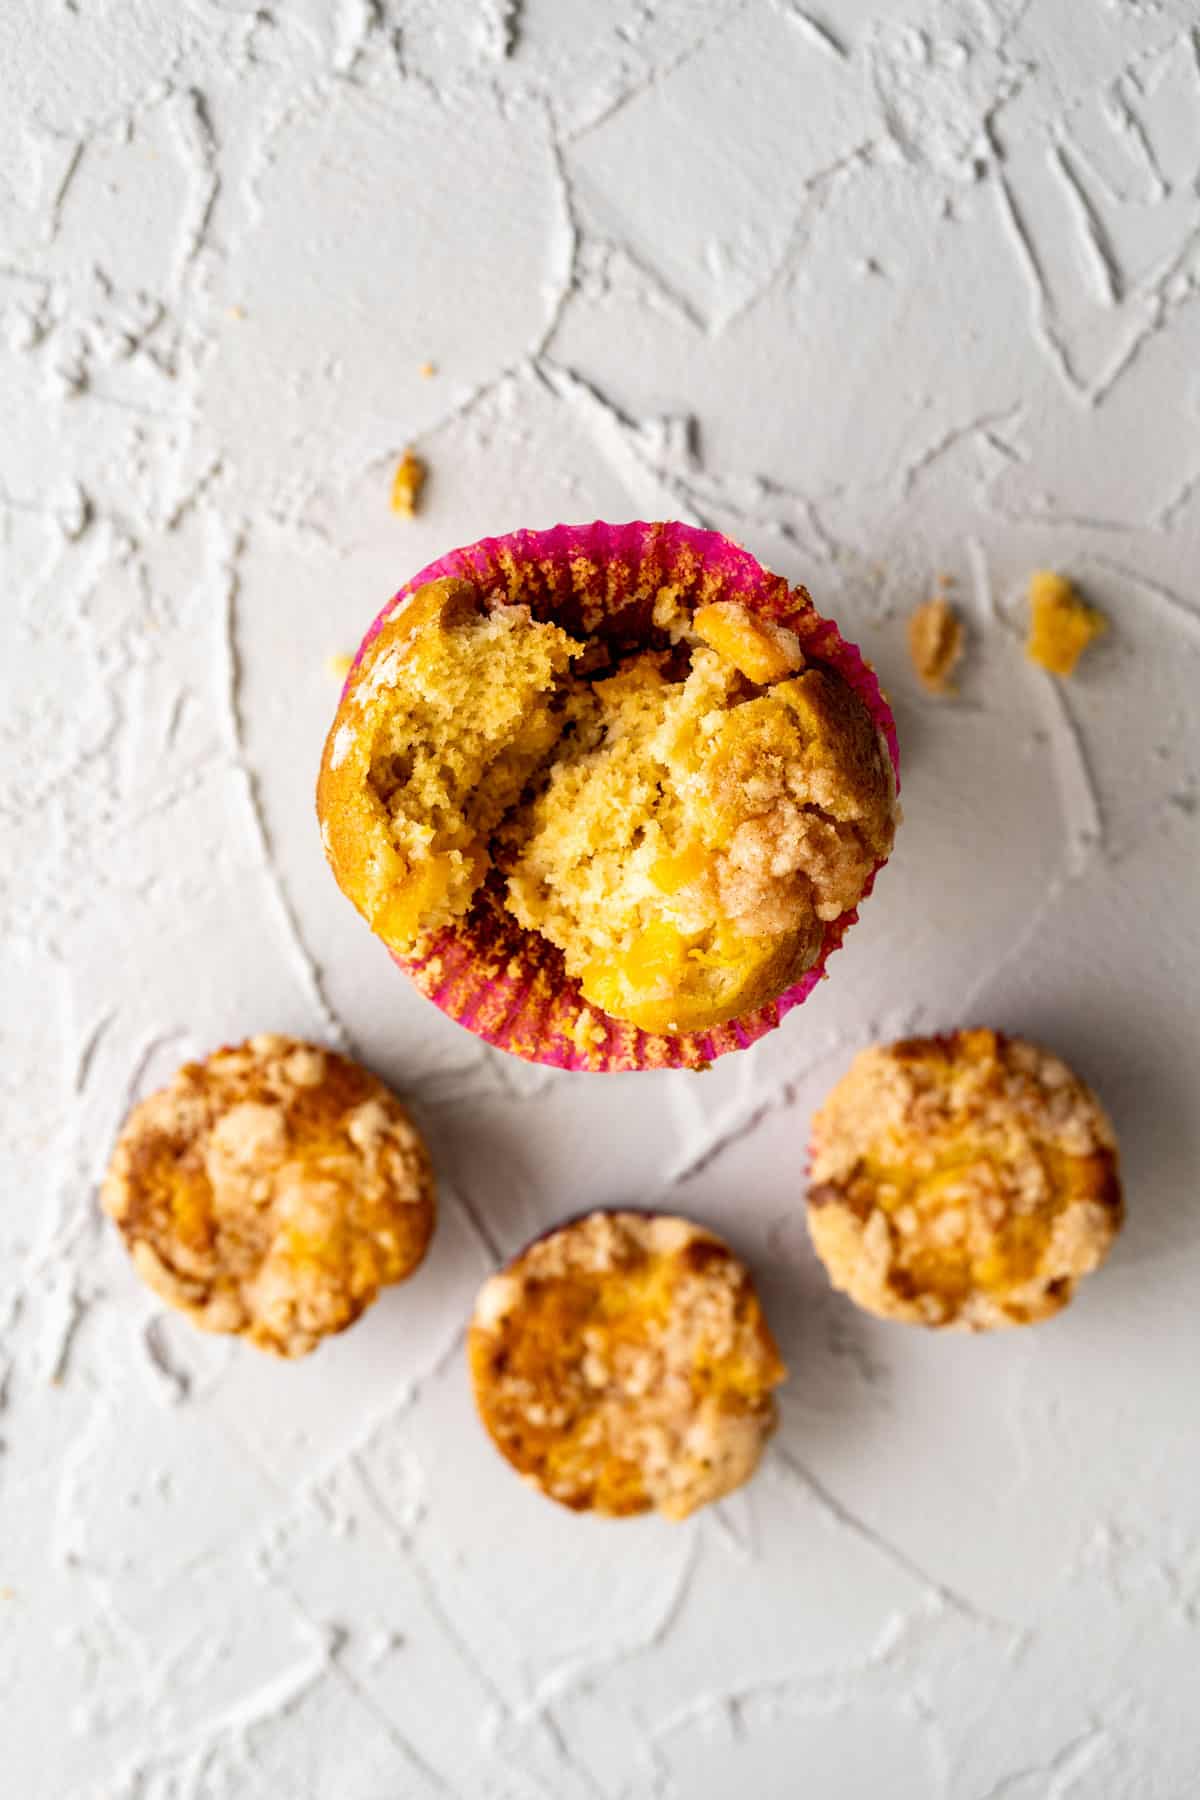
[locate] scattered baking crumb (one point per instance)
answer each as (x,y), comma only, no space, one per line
(1061,625)
(407,483)
(935,643)
(237,312)
(427,371)
(339,665)
(969,1180)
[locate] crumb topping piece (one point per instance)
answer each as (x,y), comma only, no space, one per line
(271,1191)
(682,825)
(622,1363)
(1061,625)
(967,1180)
(407,484)
(935,644)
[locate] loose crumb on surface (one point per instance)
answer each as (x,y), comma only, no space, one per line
(427,370)
(935,644)
(1061,625)
(339,664)
(407,484)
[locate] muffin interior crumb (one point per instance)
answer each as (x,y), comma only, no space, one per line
(623,1363)
(682,826)
(442,744)
(695,835)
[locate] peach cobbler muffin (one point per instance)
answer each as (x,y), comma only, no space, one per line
(622,1363)
(271,1191)
(680,820)
(967,1180)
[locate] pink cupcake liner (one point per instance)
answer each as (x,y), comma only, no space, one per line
(508,986)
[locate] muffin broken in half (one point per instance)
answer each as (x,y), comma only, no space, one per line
(681,819)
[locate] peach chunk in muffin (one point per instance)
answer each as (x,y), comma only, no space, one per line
(271,1191)
(967,1180)
(622,1363)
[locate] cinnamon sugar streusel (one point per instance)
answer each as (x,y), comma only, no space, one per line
(967,1180)
(271,1191)
(623,1363)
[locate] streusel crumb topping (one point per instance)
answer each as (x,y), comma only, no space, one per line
(967,1180)
(271,1191)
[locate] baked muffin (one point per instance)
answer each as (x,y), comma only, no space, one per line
(671,807)
(271,1191)
(622,1363)
(967,1180)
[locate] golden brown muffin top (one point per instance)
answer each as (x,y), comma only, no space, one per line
(271,1191)
(966,1180)
(623,1363)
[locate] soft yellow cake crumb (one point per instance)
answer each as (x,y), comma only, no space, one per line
(339,664)
(692,840)
(1061,625)
(407,483)
(447,717)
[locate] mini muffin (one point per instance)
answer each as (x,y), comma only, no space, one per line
(670,807)
(623,1363)
(967,1180)
(271,1191)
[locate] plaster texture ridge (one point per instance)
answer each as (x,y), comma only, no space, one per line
(894,294)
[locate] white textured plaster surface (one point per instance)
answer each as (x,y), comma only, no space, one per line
(883,290)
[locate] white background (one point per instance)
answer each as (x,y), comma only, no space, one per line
(884,291)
